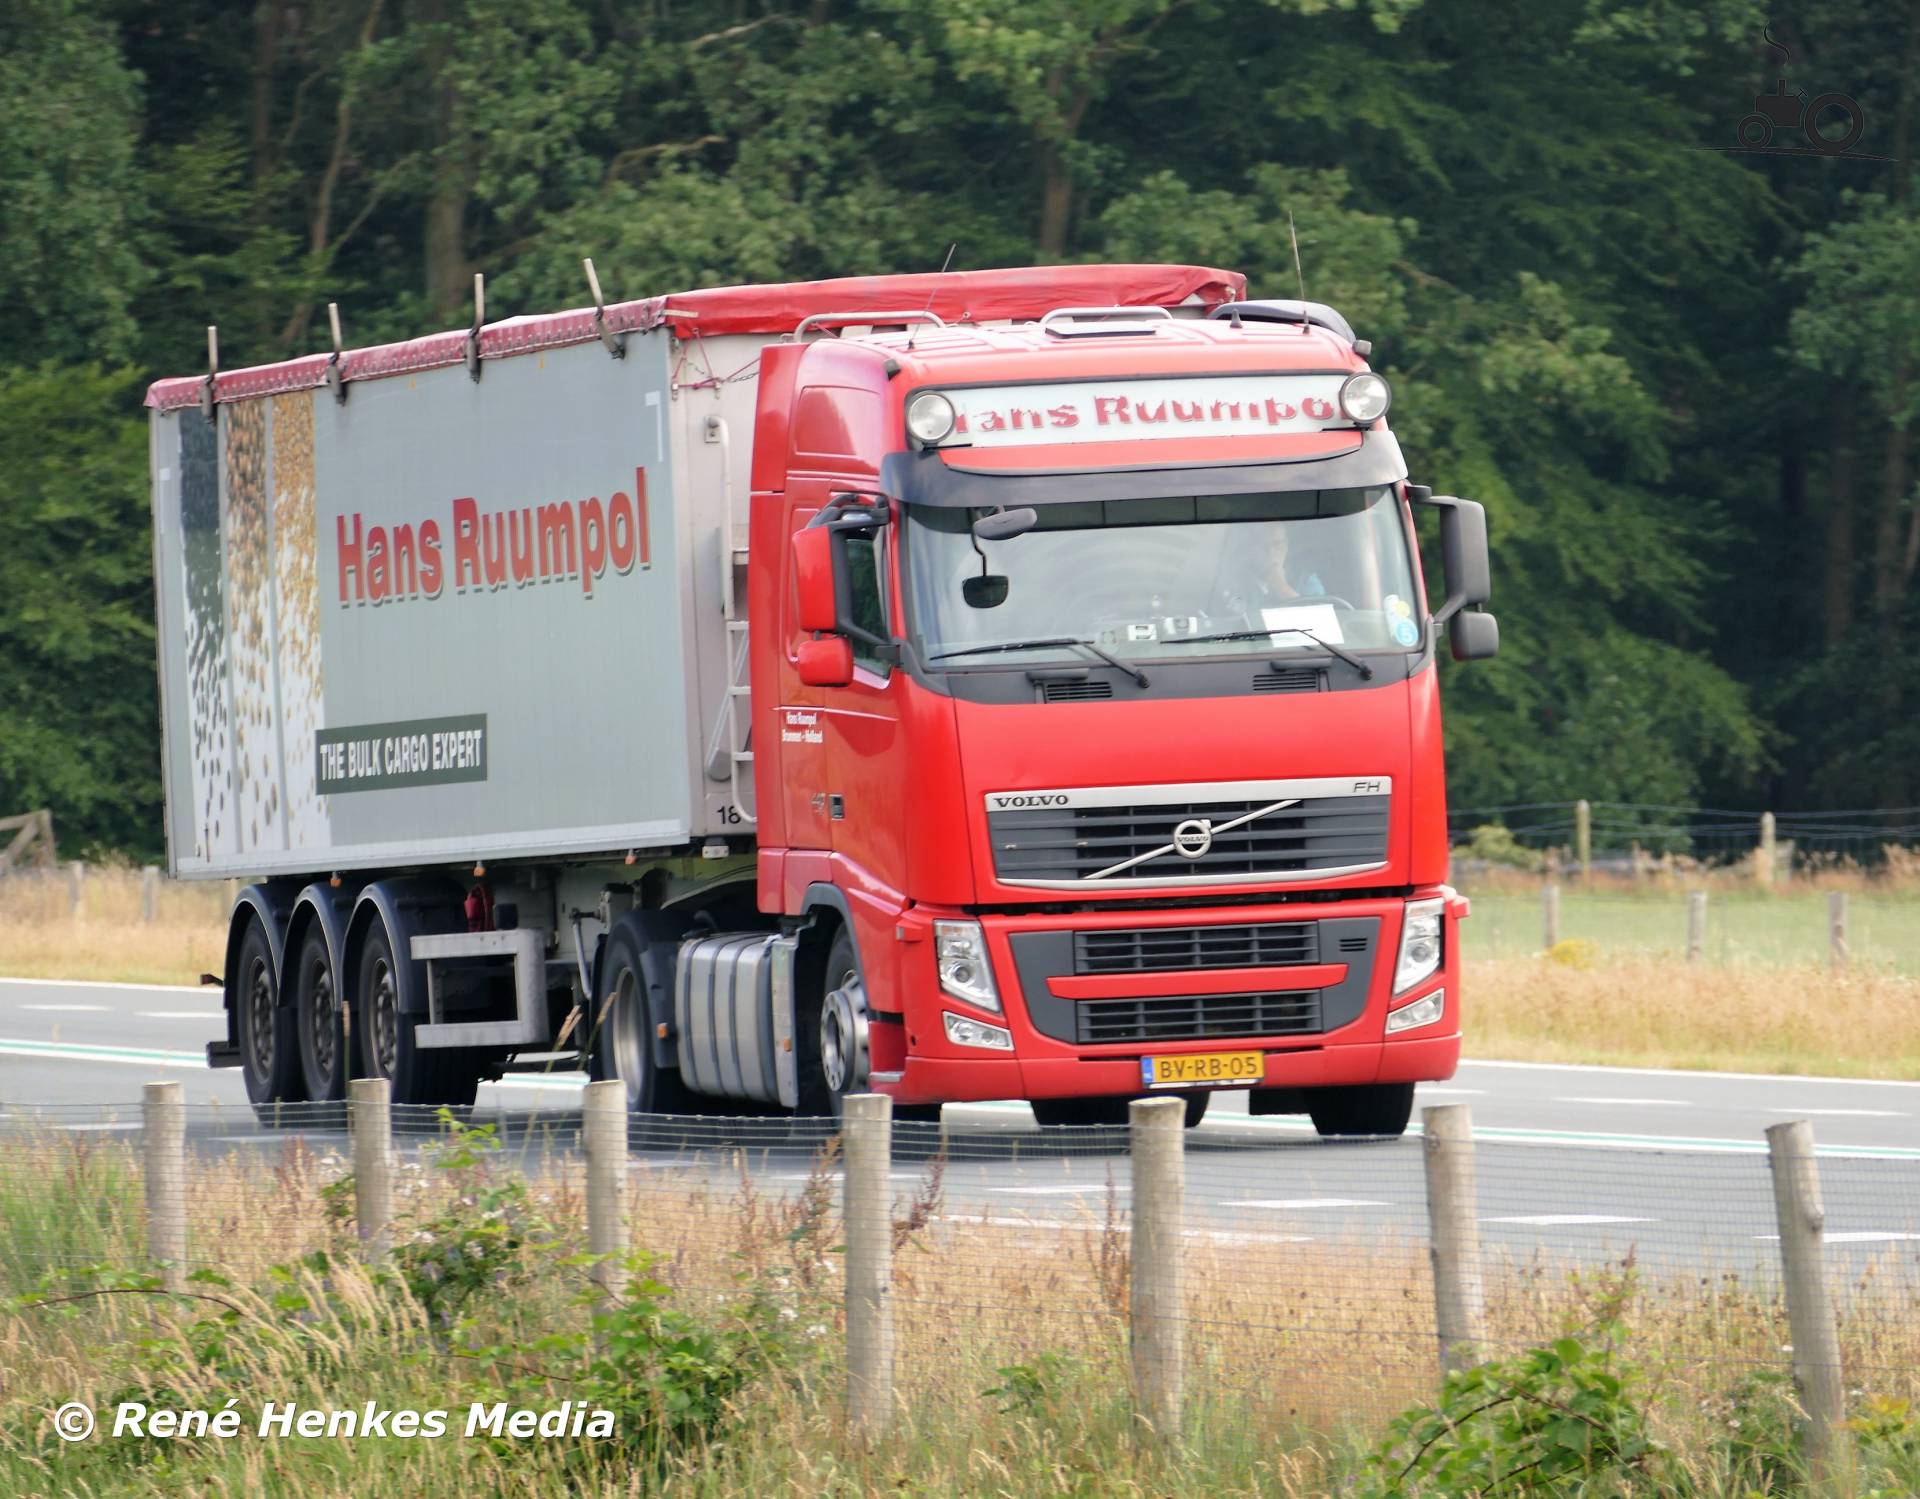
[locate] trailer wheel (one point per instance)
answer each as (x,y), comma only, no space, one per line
(319,1020)
(386,1041)
(269,1050)
(621,1044)
(1377,1109)
(1055,1113)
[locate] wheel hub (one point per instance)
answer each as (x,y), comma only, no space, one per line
(323,1020)
(384,1019)
(260,1016)
(843,1037)
(628,1038)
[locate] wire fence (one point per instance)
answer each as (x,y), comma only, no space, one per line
(1632,837)
(1305,1281)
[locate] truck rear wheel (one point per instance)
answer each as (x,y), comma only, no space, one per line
(1378,1109)
(1056,1113)
(269,1051)
(621,1044)
(319,1020)
(385,1036)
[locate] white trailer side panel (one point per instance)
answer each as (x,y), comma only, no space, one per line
(442,620)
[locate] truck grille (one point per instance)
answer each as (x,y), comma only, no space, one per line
(1195,1018)
(1169,949)
(1076,844)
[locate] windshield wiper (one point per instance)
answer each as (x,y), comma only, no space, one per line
(1033,645)
(1366,671)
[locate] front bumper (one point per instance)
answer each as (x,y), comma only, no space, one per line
(1081,1033)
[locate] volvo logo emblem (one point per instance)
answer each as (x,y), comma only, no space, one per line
(1192,838)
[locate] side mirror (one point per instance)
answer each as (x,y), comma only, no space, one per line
(819,603)
(1474,636)
(826,661)
(1463,550)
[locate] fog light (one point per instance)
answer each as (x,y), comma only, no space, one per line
(1421,1012)
(964,1032)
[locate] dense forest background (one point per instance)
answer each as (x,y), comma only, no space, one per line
(1682,377)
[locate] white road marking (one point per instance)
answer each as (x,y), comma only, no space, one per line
(1636,1103)
(1292,1203)
(1860,1236)
(1426,1088)
(1057,1191)
(1566,1220)
(130,1124)
(244,1139)
(838,1171)
(1843,1113)
(90,984)
(1695,1073)
(213,1014)
(70,1009)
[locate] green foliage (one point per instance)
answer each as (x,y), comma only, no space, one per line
(1046,1388)
(1494,843)
(1682,380)
(1537,1423)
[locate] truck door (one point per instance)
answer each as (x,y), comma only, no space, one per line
(869,789)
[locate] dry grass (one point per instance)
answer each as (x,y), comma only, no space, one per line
(1652,1012)
(106,940)
(1297,1351)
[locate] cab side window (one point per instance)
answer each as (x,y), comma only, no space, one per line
(868,605)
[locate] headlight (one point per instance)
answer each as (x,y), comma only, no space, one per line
(1419,944)
(930,417)
(964,1032)
(965,973)
(1421,1012)
(1365,398)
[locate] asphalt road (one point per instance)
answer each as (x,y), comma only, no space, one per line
(1576,1162)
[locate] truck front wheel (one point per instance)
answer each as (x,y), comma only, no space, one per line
(1377,1109)
(269,1052)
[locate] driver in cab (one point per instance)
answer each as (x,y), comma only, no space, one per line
(1260,577)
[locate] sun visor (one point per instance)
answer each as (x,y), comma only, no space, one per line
(925,478)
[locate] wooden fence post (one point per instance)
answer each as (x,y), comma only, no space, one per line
(1459,1294)
(164,1146)
(370,1117)
(1837,928)
(1810,1318)
(1156,1306)
(603,1129)
(1583,836)
(1763,860)
(867,1136)
(1550,915)
(1696,924)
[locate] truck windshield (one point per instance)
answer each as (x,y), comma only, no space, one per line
(1163,579)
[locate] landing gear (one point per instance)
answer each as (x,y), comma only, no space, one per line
(1376,1109)
(269,1049)
(385,1034)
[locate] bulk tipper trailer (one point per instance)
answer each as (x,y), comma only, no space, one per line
(1006,684)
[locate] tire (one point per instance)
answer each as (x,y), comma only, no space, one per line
(1832,145)
(620,1045)
(319,1020)
(269,1049)
(1061,1113)
(384,1036)
(1379,1110)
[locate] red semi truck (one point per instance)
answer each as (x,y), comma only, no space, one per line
(1009,684)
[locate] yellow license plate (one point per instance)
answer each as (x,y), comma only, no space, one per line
(1206,1069)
